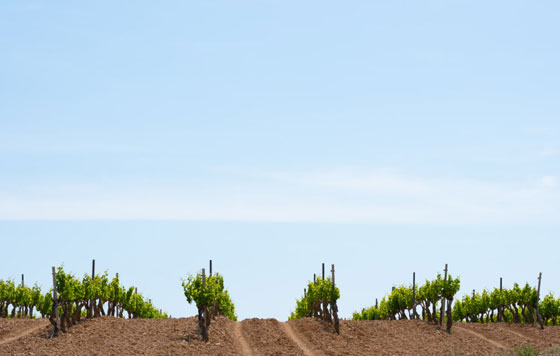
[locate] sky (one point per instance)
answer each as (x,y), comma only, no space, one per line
(385,137)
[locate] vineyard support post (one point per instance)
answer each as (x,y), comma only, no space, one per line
(323,275)
(115,306)
(442,310)
(203,278)
(304,292)
(54,313)
(537,314)
(203,312)
(21,309)
(500,308)
(314,278)
(210,270)
(413,295)
(334,307)
(90,303)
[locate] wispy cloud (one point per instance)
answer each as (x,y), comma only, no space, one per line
(345,195)
(550,152)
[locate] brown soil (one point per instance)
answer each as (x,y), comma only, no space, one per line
(256,337)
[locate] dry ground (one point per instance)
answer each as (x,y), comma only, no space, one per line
(255,337)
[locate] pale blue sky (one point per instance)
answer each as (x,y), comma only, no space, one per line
(267,126)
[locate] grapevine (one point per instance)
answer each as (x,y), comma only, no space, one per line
(210,297)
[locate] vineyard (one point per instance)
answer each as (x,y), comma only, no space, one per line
(210,297)
(431,306)
(72,299)
(319,301)
(435,299)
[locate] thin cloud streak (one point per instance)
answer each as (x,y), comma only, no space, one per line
(339,196)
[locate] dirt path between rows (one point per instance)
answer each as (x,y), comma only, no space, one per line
(21,334)
(480,336)
(245,348)
(302,345)
(518,334)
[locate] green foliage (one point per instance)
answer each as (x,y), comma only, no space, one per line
(21,299)
(399,303)
(526,350)
(517,303)
(213,296)
(318,292)
(73,294)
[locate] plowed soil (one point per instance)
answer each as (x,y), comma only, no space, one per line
(256,337)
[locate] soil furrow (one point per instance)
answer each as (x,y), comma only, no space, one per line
(307,351)
(246,350)
(493,342)
(21,334)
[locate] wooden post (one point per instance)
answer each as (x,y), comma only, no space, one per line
(375,303)
(414,295)
(90,303)
(537,314)
(323,272)
(500,308)
(210,268)
(135,290)
(304,292)
(203,278)
(55,295)
(314,278)
(334,307)
(473,294)
(54,313)
(203,312)
(442,310)
(22,281)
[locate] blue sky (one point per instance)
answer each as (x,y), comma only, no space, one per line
(161,128)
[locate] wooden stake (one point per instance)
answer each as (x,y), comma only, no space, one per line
(332,270)
(203,279)
(22,281)
(92,269)
(55,296)
(323,272)
(54,318)
(314,278)
(210,268)
(500,310)
(305,292)
(414,294)
(539,287)
(442,310)
(537,314)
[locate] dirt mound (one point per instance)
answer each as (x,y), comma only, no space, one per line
(256,337)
